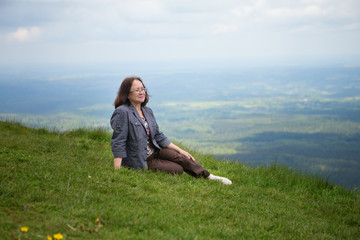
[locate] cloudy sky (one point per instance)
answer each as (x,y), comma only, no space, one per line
(83,31)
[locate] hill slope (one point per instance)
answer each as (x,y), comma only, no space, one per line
(63,182)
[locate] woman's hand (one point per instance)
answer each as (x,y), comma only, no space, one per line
(186,154)
(117,163)
(179,150)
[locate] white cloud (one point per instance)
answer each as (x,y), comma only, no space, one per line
(224,28)
(301,29)
(147,10)
(24,34)
(112,29)
(287,12)
(248,10)
(243,11)
(352,26)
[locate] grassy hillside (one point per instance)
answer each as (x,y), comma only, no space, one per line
(65,183)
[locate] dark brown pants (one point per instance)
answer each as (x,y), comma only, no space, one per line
(170,161)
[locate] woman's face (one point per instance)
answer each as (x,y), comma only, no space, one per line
(137,93)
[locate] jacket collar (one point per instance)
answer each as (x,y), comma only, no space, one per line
(137,115)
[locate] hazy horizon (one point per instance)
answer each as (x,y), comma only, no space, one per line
(305,117)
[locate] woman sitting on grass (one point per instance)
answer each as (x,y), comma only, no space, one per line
(137,141)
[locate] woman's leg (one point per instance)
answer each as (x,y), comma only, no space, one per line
(190,167)
(170,161)
(155,163)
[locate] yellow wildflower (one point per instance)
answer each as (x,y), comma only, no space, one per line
(58,236)
(97,221)
(49,238)
(24,229)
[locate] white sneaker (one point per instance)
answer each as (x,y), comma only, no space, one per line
(224,180)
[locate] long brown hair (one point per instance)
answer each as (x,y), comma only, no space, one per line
(124,91)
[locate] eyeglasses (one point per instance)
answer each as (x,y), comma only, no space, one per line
(138,90)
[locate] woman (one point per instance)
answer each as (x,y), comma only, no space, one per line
(137,142)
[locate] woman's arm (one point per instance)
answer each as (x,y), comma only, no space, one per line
(117,163)
(119,123)
(181,151)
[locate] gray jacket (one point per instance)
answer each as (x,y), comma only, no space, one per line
(129,139)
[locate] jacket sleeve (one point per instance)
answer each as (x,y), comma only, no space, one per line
(119,123)
(159,137)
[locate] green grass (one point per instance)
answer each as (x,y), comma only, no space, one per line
(56,182)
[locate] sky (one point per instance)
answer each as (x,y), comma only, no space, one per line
(105,31)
